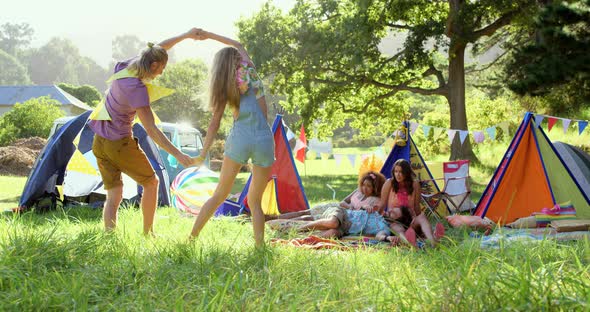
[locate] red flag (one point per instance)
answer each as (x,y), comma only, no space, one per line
(550,123)
(300,146)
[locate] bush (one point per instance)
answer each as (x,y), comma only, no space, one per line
(86,93)
(216,150)
(31,118)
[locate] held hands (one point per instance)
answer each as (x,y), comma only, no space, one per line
(185,160)
(198,161)
(197,34)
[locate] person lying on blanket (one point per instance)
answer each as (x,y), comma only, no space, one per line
(357,213)
(400,205)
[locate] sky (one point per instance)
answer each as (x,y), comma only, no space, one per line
(91,25)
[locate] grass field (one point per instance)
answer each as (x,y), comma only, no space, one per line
(63,260)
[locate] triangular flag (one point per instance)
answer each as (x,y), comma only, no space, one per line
(157,92)
(491,132)
(478,136)
(463,134)
(351,158)
(439,131)
(290,134)
(413,127)
(426,130)
(581,126)
(566,124)
(451,133)
(338,159)
(550,123)
(100,112)
(539,119)
(324,156)
(300,145)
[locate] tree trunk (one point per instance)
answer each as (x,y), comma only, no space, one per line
(456,99)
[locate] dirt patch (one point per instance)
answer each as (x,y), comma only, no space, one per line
(34,143)
(18,159)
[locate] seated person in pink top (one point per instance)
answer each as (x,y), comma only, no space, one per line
(115,148)
(400,200)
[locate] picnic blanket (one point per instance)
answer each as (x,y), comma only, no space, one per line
(344,243)
(506,236)
(311,242)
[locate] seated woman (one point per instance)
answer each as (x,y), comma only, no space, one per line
(356,214)
(400,198)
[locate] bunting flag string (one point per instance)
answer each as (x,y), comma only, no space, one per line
(479,136)
(566,122)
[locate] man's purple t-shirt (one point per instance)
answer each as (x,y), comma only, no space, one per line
(124,97)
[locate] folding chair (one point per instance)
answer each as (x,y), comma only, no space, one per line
(456,191)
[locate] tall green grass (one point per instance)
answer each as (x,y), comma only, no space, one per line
(10,189)
(64,261)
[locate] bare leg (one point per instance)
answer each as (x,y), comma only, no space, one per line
(260,177)
(321,224)
(422,222)
(111,206)
(294,215)
(304,218)
(229,171)
(149,201)
(332,233)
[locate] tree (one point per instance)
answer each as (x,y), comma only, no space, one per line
(13,72)
(188,103)
(126,47)
(14,37)
(326,55)
(557,64)
(59,60)
(30,118)
(86,93)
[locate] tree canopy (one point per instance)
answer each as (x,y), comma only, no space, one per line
(15,37)
(13,72)
(188,103)
(557,64)
(331,59)
(59,60)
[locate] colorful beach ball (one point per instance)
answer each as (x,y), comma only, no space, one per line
(192,188)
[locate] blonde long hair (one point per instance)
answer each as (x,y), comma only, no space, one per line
(224,87)
(142,65)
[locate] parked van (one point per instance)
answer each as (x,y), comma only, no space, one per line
(186,138)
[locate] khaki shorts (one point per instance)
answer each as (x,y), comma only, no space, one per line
(124,155)
(341,215)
